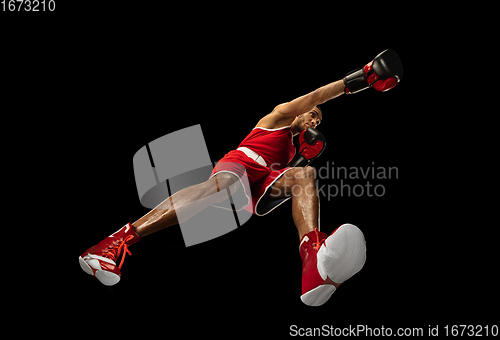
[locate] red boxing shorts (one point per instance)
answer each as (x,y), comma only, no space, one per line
(260,178)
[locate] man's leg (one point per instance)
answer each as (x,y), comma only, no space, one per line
(100,260)
(342,253)
(187,202)
(300,184)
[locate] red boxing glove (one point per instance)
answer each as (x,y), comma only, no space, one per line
(312,143)
(382,73)
(376,82)
(312,150)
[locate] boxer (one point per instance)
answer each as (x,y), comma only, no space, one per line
(267,157)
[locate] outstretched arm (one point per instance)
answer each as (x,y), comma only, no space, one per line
(285,113)
(382,73)
(307,102)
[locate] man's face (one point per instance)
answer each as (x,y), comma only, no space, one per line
(309,119)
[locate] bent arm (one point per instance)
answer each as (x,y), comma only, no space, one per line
(307,102)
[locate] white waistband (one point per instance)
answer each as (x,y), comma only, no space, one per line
(253,155)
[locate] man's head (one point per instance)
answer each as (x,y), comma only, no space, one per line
(306,120)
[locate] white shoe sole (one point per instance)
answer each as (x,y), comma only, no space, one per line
(106,278)
(343,254)
(318,295)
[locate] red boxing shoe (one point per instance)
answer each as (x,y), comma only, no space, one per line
(329,261)
(99,260)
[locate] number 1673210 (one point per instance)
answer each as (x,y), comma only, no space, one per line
(28,5)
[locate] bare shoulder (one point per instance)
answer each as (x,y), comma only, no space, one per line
(275,119)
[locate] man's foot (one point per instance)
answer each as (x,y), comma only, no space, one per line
(99,260)
(329,261)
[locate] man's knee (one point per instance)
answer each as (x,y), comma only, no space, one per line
(301,181)
(310,172)
(309,182)
(305,174)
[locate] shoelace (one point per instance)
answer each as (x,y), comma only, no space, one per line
(115,249)
(318,244)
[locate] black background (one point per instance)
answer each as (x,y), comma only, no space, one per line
(103,82)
